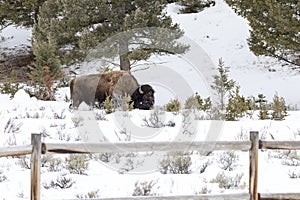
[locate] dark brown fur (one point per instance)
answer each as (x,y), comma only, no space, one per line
(143,97)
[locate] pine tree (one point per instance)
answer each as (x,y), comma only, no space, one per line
(196,102)
(251,106)
(236,105)
(279,108)
(194,6)
(60,23)
(19,12)
(82,25)
(263,107)
(222,84)
(45,43)
(275,27)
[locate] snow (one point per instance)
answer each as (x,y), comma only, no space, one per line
(223,34)
(14,36)
(217,32)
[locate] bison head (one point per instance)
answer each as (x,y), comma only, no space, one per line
(143,97)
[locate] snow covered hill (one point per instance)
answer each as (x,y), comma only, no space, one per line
(221,34)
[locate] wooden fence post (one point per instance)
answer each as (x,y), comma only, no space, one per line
(253,162)
(35,166)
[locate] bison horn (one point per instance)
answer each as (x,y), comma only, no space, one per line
(140,90)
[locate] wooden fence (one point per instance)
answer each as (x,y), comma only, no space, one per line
(253,145)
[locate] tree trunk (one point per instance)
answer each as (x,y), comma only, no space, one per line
(124,63)
(222,94)
(123,53)
(222,100)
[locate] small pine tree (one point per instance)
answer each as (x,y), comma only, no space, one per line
(193,102)
(250,103)
(46,55)
(222,84)
(251,106)
(127,103)
(173,106)
(108,105)
(196,102)
(207,104)
(236,105)
(279,108)
(43,82)
(263,107)
(199,101)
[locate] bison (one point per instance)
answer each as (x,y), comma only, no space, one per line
(95,88)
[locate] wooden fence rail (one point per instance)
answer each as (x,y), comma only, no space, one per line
(253,145)
(144,147)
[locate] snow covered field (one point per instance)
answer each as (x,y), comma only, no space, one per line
(220,33)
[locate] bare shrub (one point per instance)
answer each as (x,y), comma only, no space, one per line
(204,190)
(124,135)
(61,182)
(291,158)
(12,127)
(176,163)
(90,195)
(77,164)
(12,140)
(144,188)
(204,166)
(188,118)
(53,164)
(228,182)
(295,173)
(242,136)
(24,162)
(60,115)
(100,116)
(104,157)
(44,132)
(77,121)
(2,177)
(227,160)
(129,161)
(154,121)
(63,135)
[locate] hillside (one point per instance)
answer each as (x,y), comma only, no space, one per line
(217,32)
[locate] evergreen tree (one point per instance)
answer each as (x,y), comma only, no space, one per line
(196,102)
(44,43)
(19,12)
(279,108)
(251,106)
(263,107)
(80,26)
(222,84)
(236,105)
(194,6)
(60,23)
(275,27)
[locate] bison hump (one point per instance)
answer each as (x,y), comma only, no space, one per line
(116,84)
